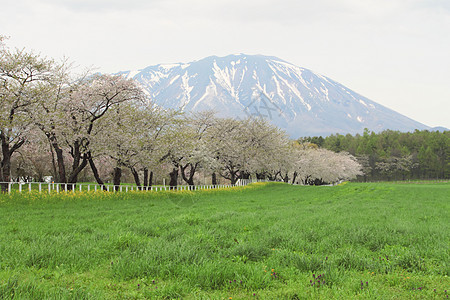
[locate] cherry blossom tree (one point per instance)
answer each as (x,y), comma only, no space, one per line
(70,117)
(250,146)
(187,150)
(321,166)
(268,150)
(24,76)
(33,160)
(191,151)
(133,135)
(229,147)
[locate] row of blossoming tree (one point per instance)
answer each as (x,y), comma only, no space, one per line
(60,123)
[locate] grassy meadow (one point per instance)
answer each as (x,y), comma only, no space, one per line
(263,241)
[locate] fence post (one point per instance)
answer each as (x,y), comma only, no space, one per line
(49,188)
(40,187)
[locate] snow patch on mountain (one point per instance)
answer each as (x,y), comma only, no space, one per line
(293,98)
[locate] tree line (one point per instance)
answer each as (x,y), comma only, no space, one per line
(394,155)
(102,127)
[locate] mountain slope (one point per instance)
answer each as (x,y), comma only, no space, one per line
(294,98)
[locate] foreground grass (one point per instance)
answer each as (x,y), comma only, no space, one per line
(265,241)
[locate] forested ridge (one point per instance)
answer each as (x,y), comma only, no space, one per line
(394,155)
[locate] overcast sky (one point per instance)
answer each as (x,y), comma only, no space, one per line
(394,52)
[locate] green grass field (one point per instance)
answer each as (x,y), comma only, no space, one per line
(264,241)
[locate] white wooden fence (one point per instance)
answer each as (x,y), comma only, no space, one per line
(69,187)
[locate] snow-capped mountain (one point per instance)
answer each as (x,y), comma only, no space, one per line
(296,99)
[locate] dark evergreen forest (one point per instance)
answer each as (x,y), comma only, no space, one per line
(394,155)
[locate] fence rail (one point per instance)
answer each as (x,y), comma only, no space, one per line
(73,187)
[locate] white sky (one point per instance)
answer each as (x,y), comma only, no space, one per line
(394,52)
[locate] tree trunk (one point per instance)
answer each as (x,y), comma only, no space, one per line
(73,178)
(61,174)
(136,177)
(214,178)
(54,169)
(5,163)
(189,179)
(233,174)
(233,178)
(306,180)
(116,178)
(173,178)
(191,174)
(95,172)
(2,187)
(294,176)
(245,175)
(61,166)
(150,180)
(5,166)
(260,176)
(145,177)
(273,177)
